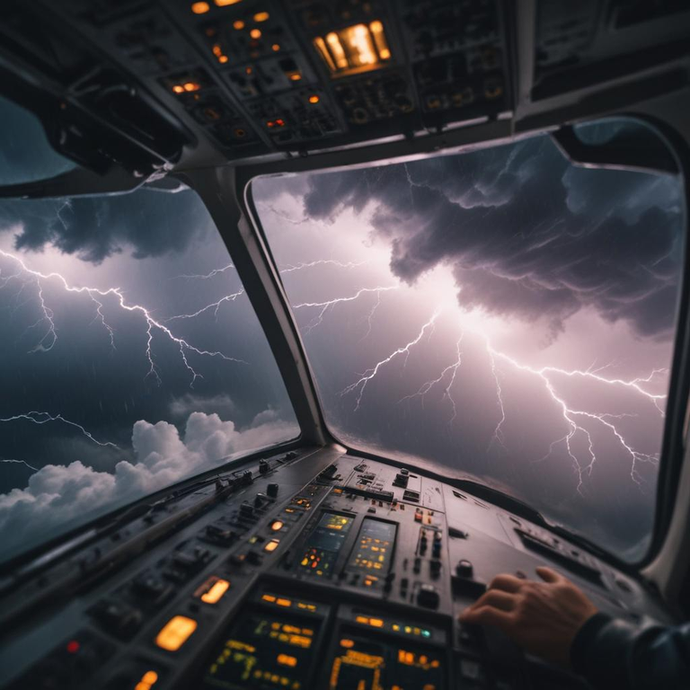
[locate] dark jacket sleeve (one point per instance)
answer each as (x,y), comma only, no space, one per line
(612,653)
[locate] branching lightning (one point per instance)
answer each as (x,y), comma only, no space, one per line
(50,338)
(36,417)
(360,385)
(325,306)
(570,416)
(447,392)
(323,262)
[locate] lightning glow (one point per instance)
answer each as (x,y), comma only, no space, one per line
(36,417)
(50,337)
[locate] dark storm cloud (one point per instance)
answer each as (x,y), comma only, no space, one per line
(146,223)
(526,234)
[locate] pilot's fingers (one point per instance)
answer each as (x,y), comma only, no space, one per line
(497,599)
(507,583)
(487,615)
(549,575)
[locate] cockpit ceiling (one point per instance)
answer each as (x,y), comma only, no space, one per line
(180,83)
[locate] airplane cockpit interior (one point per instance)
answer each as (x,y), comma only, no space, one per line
(318,315)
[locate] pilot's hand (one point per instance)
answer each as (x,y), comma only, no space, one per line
(541,617)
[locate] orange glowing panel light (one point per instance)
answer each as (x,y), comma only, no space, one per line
(238,24)
(314,99)
(200,7)
(212,590)
(255,33)
(272,545)
(261,17)
(355,48)
(175,633)
(226,3)
(277,525)
(287,660)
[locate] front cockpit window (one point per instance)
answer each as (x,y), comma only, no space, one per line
(502,314)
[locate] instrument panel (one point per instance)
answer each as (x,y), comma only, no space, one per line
(311,569)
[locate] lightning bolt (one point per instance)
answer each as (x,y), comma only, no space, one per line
(206,276)
(360,385)
(370,316)
(325,306)
(570,416)
(49,340)
(36,417)
(214,305)
(19,462)
(323,262)
(428,385)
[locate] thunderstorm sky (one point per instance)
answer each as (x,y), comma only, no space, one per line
(505,316)
(501,315)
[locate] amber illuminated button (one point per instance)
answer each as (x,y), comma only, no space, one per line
(175,633)
(212,590)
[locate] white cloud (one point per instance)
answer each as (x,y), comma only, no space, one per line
(58,494)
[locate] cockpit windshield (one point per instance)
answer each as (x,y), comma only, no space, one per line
(502,314)
(131,357)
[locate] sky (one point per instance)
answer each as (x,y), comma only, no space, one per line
(500,315)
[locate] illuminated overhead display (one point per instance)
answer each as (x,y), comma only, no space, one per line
(356,48)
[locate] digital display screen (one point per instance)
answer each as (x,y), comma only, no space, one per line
(369,664)
(324,544)
(264,650)
(373,551)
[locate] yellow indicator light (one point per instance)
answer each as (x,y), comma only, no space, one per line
(295,76)
(241,646)
(348,644)
(337,50)
(261,16)
(238,24)
(150,677)
(214,593)
(286,660)
(223,59)
(226,3)
(277,525)
(255,33)
(284,602)
(178,88)
(314,99)
(272,545)
(362,619)
(358,39)
(200,7)
(269,598)
(320,45)
(354,48)
(376,28)
(191,86)
(175,633)
(376,623)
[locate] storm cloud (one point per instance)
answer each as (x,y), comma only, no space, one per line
(527,235)
(145,223)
